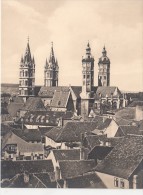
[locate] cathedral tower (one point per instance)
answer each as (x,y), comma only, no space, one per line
(27,74)
(87,81)
(104,69)
(51,70)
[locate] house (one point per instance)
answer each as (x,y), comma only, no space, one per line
(27,174)
(25,180)
(70,135)
(61,155)
(36,119)
(73,168)
(124,130)
(87,180)
(15,148)
(122,168)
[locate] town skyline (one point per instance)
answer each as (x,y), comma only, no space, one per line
(70,35)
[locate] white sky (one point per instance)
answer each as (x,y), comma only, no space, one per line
(70,24)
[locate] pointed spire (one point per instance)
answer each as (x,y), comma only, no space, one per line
(52,57)
(33,60)
(27,56)
(46,64)
(104,52)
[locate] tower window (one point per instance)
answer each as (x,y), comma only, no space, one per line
(88,76)
(84,76)
(26,73)
(104,77)
(59,103)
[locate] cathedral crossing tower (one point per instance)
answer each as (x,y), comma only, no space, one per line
(104,69)
(27,74)
(51,70)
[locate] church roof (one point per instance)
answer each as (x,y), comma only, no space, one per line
(60,98)
(34,104)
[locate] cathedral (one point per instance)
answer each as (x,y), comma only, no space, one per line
(83,100)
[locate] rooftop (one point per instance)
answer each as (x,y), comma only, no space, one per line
(71,154)
(124,158)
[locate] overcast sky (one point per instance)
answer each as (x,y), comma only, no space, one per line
(70,24)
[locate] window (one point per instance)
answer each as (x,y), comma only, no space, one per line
(122,184)
(116,182)
(104,77)
(88,76)
(59,103)
(84,76)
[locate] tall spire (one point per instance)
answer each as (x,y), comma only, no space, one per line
(52,57)
(27,56)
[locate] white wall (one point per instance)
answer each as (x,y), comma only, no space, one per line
(108,180)
(111,130)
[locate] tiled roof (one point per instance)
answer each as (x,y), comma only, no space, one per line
(47,118)
(72,131)
(10,88)
(107,91)
(72,154)
(128,129)
(99,152)
(49,91)
(74,168)
(104,124)
(44,130)
(22,145)
(124,158)
(122,121)
(54,133)
(13,108)
(88,180)
(34,104)
(77,90)
(10,168)
(93,140)
(126,113)
(60,98)
(136,103)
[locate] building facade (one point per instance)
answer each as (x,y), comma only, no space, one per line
(27,74)
(51,70)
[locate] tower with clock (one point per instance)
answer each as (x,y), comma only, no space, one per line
(51,70)
(87,81)
(27,74)
(104,69)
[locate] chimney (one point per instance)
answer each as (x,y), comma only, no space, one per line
(135,181)
(82,153)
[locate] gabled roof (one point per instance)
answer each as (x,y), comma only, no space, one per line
(10,88)
(87,180)
(72,154)
(99,152)
(77,90)
(104,124)
(60,98)
(10,168)
(22,145)
(136,103)
(107,91)
(121,121)
(74,168)
(72,131)
(54,133)
(49,91)
(13,108)
(34,104)
(126,113)
(128,129)
(124,158)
